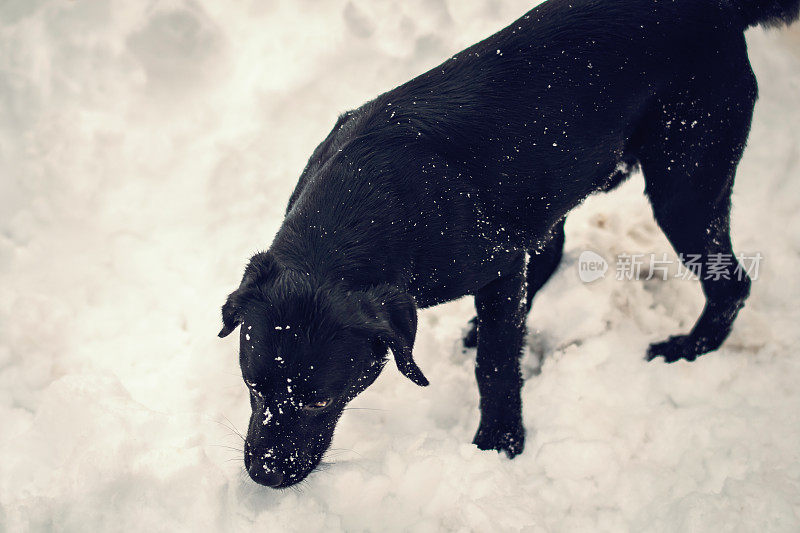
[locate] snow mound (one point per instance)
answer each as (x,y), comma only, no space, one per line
(149,148)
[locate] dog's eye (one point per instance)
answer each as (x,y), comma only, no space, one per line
(318,404)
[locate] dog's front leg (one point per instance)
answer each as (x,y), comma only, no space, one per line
(501,330)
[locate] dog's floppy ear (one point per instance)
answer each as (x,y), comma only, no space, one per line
(231,313)
(393,314)
(260,267)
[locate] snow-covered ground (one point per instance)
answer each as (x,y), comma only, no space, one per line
(148,148)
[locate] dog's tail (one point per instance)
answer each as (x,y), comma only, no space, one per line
(765,12)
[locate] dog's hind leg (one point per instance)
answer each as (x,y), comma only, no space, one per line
(689,156)
(542,264)
(501,307)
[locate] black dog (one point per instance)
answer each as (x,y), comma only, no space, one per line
(447,186)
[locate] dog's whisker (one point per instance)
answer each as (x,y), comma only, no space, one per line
(332,456)
(335,456)
(234,448)
(297,487)
(233,427)
(340,451)
(324,466)
(229,426)
(232,433)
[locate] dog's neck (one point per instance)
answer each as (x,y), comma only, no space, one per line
(360,238)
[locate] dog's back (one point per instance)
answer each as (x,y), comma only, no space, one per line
(555,102)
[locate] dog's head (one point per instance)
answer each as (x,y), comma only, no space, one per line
(306,350)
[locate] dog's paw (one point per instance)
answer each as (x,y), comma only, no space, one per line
(676,348)
(503,439)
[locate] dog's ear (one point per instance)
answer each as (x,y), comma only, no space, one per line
(393,314)
(261,266)
(231,313)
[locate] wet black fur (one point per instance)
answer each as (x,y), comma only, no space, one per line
(444,186)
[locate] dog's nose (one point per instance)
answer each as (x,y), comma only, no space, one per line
(265,477)
(273,479)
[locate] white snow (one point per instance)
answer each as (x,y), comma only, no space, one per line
(148,149)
